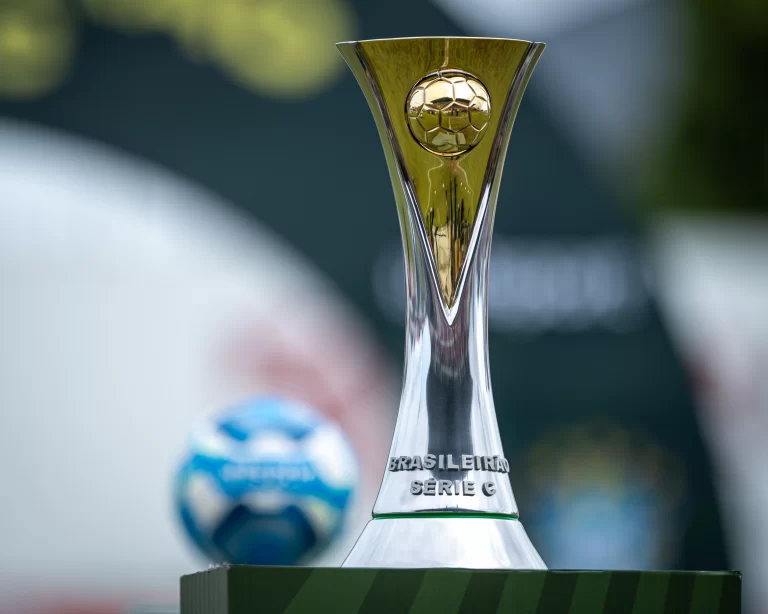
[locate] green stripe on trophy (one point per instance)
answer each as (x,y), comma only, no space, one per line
(273,587)
(440,591)
(392,592)
(521,593)
(483,593)
(651,594)
(679,593)
(621,594)
(590,592)
(323,592)
(730,595)
(557,594)
(706,594)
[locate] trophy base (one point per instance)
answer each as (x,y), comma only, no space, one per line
(429,542)
(243,589)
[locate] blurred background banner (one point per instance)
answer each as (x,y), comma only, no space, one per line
(194,208)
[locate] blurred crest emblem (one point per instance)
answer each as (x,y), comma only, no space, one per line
(604,498)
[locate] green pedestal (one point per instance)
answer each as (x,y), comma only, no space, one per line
(238,589)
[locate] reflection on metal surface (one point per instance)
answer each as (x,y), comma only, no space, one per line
(446,457)
(450,182)
(448,112)
(430,542)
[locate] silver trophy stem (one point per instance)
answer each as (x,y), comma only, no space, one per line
(446,405)
(446,498)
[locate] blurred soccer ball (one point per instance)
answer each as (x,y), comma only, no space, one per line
(266,483)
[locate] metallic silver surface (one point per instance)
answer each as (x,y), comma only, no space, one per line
(446,460)
(473,543)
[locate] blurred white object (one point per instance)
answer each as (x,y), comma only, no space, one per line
(533,19)
(712,281)
(129,304)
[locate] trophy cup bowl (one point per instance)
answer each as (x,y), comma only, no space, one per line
(444,108)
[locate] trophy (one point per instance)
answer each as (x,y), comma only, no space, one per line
(444,108)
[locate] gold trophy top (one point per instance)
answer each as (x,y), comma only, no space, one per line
(443,103)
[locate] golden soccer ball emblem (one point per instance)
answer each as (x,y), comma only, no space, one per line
(448,112)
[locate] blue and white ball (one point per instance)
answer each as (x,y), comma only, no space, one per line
(266,483)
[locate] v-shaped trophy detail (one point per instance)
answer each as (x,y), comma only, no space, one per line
(444,108)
